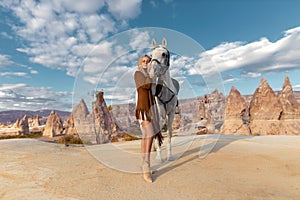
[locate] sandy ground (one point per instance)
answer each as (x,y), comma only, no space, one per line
(230,167)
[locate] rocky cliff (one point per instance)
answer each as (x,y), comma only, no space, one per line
(269,114)
(22,125)
(236,115)
(54,125)
(290,106)
(106,125)
(96,127)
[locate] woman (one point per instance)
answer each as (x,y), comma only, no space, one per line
(146,113)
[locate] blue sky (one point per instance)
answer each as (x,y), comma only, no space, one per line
(51,49)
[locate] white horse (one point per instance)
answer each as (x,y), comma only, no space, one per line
(166,92)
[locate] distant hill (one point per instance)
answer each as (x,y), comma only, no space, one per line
(11,116)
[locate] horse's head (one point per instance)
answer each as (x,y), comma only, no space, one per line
(160,60)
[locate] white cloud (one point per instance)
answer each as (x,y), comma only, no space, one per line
(251,74)
(230,80)
(82,6)
(59,34)
(124,9)
(34,72)
(256,57)
(21,74)
(180,65)
(11,86)
(22,96)
(6,35)
(139,40)
(296,87)
(5,61)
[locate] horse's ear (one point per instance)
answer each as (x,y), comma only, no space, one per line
(153,43)
(164,42)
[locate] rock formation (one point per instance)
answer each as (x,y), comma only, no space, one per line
(269,114)
(211,109)
(291,108)
(265,111)
(290,117)
(96,127)
(69,126)
(83,123)
(22,125)
(235,114)
(34,121)
(217,106)
(176,122)
(80,112)
(265,105)
(107,125)
(16,124)
(78,120)
(53,126)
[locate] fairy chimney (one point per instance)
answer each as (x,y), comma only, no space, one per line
(80,113)
(53,126)
(34,121)
(22,125)
(236,114)
(16,124)
(290,117)
(291,108)
(81,122)
(69,126)
(107,125)
(265,111)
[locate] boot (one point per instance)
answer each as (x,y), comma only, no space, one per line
(147,172)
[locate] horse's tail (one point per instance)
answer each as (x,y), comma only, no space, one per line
(159,138)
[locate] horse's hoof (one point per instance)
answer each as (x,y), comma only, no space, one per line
(170,158)
(160,160)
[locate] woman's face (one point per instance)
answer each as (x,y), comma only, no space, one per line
(145,62)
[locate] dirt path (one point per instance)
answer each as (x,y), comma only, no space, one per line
(236,168)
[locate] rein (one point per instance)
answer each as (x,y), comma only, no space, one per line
(154,59)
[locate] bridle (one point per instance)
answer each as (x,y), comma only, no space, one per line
(162,66)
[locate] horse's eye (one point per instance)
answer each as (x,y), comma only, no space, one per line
(163,55)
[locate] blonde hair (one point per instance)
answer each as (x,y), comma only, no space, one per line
(140,61)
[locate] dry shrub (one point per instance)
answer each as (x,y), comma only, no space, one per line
(35,135)
(70,139)
(127,137)
(115,139)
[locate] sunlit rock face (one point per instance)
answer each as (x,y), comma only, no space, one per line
(236,114)
(54,125)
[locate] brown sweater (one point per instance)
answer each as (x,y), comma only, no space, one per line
(145,98)
(145,103)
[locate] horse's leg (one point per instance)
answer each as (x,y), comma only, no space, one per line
(158,152)
(169,132)
(161,122)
